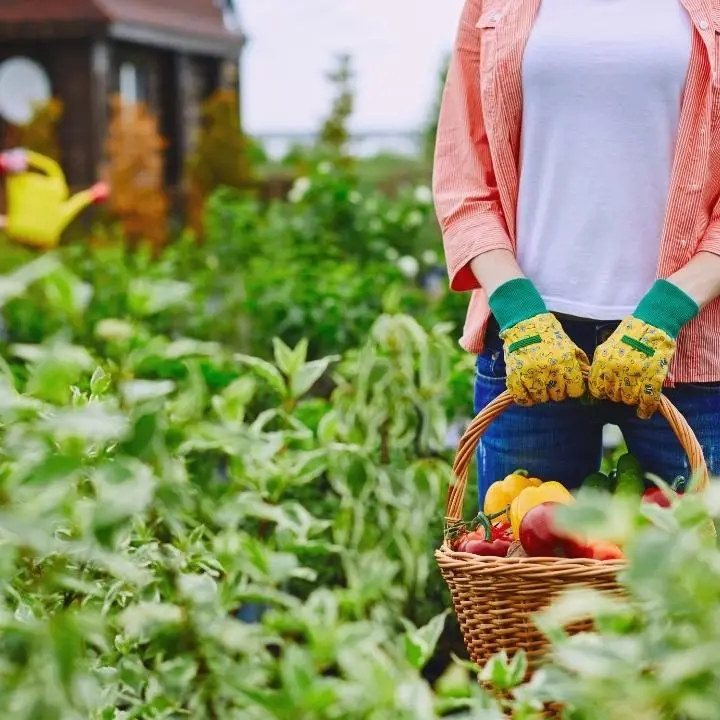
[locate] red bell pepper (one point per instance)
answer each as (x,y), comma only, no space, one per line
(656,496)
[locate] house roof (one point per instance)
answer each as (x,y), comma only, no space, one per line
(191,18)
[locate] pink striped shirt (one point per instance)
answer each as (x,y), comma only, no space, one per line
(475,178)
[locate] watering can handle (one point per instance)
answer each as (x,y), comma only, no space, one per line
(45,164)
(13,161)
(22,160)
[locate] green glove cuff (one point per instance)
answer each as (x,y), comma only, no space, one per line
(515,301)
(666,307)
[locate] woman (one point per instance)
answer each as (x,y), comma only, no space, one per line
(577,183)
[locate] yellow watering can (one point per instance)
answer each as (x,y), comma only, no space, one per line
(38,200)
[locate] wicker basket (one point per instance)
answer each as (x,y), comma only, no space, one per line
(494,598)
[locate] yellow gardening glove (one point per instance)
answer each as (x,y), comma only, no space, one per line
(632,365)
(541,361)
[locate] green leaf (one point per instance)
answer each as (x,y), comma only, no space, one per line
(51,470)
(266,371)
(68,647)
(148,297)
(420,643)
(284,357)
(497,671)
(92,424)
(305,376)
(143,619)
(135,392)
(100,382)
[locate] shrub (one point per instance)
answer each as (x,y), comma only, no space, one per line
(41,132)
(247,552)
(221,156)
(136,172)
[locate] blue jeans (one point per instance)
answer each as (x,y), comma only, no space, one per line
(563,441)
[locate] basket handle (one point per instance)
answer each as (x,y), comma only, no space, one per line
(471,436)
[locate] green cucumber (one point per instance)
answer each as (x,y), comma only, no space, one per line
(630,476)
(597,481)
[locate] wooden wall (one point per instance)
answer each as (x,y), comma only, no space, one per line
(84,71)
(67,63)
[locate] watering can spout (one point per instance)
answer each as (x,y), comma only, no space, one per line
(76,203)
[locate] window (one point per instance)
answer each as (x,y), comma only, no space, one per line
(24,85)
(132,83)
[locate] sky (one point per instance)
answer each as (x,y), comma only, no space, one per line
(397,48)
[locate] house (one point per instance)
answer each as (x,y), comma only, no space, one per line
(170,54)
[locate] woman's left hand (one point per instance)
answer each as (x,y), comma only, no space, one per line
(631,366)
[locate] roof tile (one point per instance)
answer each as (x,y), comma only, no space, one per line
(202,18)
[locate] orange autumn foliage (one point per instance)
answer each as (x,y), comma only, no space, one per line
(41,132)
(136,173)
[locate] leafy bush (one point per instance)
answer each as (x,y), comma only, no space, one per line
(193,529)
(221,156)
(144,518)
(136,172)
(653,652)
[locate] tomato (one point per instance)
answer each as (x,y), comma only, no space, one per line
(540,536)
(477,543)
(502,530)
(603,551)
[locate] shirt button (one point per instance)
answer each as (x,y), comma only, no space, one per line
(704,24)
(683,243)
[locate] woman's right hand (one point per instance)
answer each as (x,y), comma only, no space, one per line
(542,362)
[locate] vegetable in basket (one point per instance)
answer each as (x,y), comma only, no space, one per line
(598,481)
(541,537)
(501,493)
(630,477)
(486,540)
(530,497)
(657,496)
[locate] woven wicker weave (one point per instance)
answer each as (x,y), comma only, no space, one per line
(495,597)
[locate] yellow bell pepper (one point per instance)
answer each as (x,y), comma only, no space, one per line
(532,496)
(501,493)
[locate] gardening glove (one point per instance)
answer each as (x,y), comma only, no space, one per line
(541,361)
(631,366)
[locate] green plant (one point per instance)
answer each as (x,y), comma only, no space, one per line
(251,551)
(221,157)
(334,133)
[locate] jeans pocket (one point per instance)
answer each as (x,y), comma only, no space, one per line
(490,365)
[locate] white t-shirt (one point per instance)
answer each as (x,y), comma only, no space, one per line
(603,82)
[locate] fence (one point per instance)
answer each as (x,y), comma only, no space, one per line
(362,143)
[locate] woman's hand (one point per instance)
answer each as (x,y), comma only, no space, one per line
(542,362)
(632,365)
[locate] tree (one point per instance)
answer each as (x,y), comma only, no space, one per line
(335,133)
(430,132)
